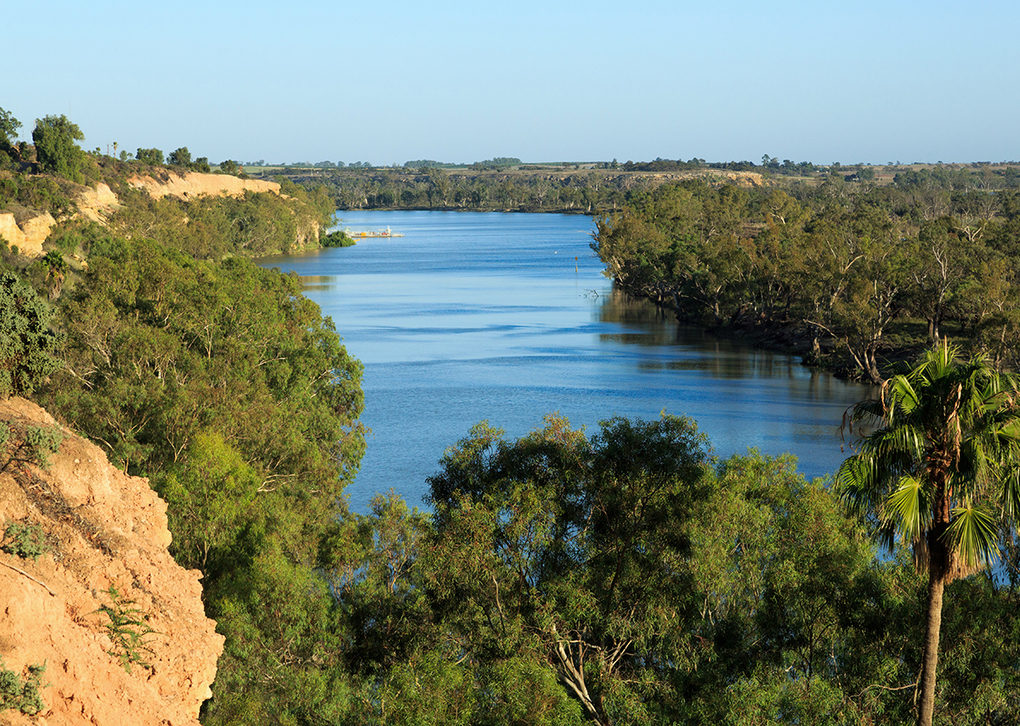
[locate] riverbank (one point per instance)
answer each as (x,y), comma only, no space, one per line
(824,353)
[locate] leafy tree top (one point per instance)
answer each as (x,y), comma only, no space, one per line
(55,147)
(8,129)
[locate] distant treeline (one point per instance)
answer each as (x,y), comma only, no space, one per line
(475,189)
(604,187)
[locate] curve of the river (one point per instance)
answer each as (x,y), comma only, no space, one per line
(507,317)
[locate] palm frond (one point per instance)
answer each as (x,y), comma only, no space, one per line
(974,534)
(1009,494)
(908,507)
(893,442)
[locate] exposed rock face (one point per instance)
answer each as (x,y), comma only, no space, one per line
(103,528)
(96,203)
(194,184)
(29,237)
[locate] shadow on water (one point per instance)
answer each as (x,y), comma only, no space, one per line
(690,347)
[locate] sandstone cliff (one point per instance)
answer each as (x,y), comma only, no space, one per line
(194,184)
(30,235)
(102,529)
(97,202)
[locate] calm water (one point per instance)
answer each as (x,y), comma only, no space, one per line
(506,317)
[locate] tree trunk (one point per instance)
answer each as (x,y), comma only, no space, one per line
(937,574)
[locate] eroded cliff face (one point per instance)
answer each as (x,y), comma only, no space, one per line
(194,184)
(29,236)
(103,532)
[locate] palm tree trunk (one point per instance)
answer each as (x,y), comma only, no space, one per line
(937,573)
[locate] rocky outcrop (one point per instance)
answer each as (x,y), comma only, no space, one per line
(105,551)
(194,184)
(29,236)
(96,203)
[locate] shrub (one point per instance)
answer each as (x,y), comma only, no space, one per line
(32,445)
(27,345)
(21,693)
(27,540)
(128,628)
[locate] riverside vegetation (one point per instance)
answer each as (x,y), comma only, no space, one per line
(623,577)
(852,275)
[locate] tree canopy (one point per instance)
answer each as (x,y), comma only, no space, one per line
(8,129)
(56,149)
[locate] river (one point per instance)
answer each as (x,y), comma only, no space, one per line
(507,317)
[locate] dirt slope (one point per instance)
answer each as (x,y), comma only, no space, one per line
(102,529)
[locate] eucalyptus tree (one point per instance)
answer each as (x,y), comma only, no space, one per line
(8,129)
(55,140)
(940,471)
(567,555)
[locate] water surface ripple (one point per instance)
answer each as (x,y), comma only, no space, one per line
(506,318)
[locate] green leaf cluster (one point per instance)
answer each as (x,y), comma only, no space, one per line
(28,444)
(25,539)
(226,387)
(27,343)
(854,276)
(254,224)
(22,692)
(628,577)
(128,628)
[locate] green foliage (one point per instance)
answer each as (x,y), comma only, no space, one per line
(846,268)
(208,494)
(161,348)
(25,539)
(8,130)
(624,579)
(253,225)
(128,628)
(152,157)
(21,693)
(55,147)
(336,238)
(229,166)
(27,344)
(937,467)
(571,550)
(45,193)
(224,385)
(8,189)
(180,157)
(85,238)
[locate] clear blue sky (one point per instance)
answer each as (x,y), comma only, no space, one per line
(542,80)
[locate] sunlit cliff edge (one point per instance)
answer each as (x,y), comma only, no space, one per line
(106,541)
(95,203)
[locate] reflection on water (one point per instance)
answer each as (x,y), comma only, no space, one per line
(473,317)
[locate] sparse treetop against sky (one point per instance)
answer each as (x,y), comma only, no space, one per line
(543,80)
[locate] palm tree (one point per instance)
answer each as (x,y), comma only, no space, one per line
(939,470)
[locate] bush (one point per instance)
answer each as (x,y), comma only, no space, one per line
(336,239)
(27,345)
(32,445)
(128,628)
(27,540)
(21,693)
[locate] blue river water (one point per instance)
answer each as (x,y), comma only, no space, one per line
(507,317)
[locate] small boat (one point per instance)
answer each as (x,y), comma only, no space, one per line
(372,233)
